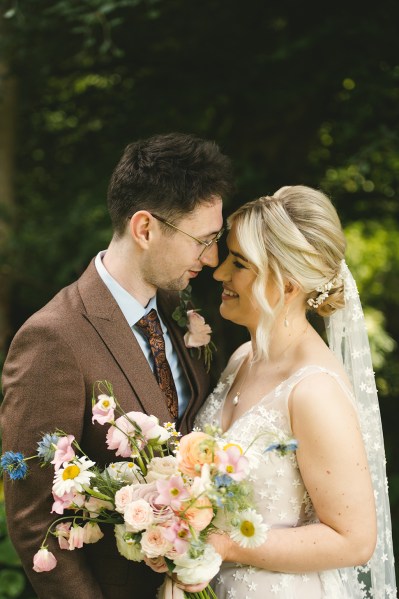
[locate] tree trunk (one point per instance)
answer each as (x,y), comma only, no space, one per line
(7,146)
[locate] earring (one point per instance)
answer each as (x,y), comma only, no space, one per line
(286,323)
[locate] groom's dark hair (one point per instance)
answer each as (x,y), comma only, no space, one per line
(169,175)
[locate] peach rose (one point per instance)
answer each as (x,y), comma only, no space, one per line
(199,514)
(195,449)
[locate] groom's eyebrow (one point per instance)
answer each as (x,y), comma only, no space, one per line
(238,255)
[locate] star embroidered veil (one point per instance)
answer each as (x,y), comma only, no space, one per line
(347,338)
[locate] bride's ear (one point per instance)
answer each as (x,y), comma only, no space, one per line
(290,291)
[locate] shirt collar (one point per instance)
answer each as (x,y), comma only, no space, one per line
(129,305)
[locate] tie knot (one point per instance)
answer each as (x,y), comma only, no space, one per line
(149,324)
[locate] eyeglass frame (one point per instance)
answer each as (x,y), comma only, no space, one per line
(207,244)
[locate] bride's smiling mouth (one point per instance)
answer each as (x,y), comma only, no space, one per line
(228,294)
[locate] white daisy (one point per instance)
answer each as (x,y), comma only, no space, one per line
(72,476)
(250,531)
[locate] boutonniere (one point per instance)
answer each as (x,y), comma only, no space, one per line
(198,333)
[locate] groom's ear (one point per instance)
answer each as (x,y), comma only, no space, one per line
(140,227)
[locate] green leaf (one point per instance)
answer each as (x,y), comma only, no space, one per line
(8,555)
(12,582)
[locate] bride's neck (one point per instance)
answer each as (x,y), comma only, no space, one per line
(284,338)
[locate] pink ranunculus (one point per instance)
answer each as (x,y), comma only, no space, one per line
(232,462)
(171,492)
(64,451)
(104,409)
(62,533)
(92,532)
(44,561)
(199,333)
(76,536)
(138,515)
(154,543)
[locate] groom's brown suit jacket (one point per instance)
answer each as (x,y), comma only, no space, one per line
(80,337)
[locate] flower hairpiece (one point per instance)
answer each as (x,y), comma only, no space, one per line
(324,291)
(198,333)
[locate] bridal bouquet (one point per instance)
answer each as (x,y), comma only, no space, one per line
(163,497)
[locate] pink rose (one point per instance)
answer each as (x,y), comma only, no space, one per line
(150,493)
(138,515)
(154,543)
(199,333)
(64,451)
(123,497)
(161,468)
(44,561)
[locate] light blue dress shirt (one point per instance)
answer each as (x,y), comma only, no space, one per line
(133,311)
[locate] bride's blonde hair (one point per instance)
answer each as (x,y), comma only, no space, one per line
(293,236)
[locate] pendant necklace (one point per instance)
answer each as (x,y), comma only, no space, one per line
(236,397)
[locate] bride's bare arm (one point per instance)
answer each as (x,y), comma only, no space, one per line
(334,468)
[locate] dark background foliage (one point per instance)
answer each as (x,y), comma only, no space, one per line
(293,92)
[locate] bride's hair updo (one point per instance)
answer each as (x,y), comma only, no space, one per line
(295,236)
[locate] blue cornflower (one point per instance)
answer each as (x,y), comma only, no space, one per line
(14,464)
(46,449)
(223,480)
(283,448)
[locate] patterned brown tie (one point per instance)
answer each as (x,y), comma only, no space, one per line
(151,328)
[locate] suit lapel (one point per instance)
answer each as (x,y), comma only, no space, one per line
(104,314)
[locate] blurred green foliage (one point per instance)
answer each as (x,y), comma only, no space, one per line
(275,84)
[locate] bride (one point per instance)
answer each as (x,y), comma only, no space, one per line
(326,505)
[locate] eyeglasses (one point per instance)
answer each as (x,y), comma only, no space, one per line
(207,244)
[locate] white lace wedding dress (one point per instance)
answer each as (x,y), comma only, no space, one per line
(280,493)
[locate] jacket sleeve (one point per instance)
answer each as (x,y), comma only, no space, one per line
(43,390)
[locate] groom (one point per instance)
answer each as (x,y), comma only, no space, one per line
(165,203)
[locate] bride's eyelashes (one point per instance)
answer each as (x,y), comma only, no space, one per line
(239,264)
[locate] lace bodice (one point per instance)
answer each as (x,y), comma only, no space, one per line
(279,492)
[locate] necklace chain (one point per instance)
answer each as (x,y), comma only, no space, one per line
(236,397)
